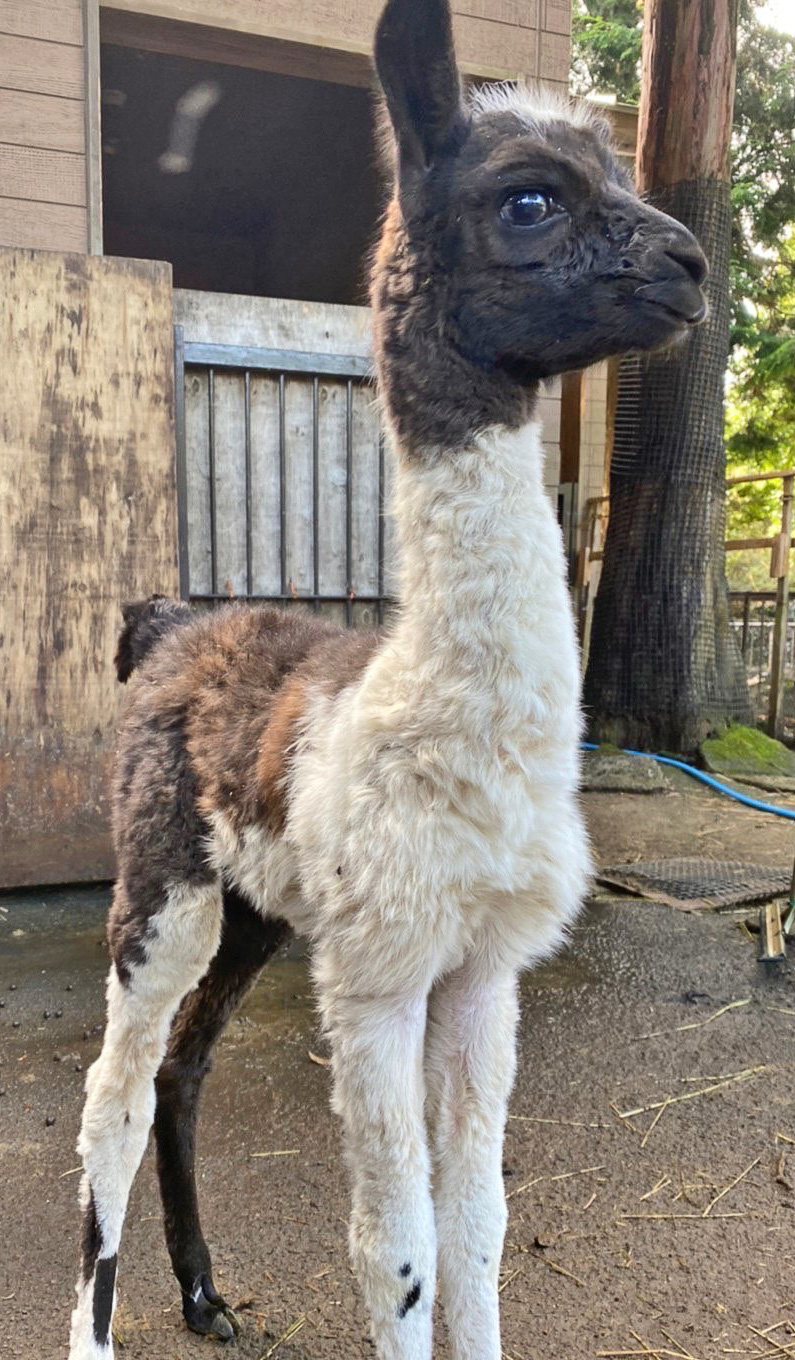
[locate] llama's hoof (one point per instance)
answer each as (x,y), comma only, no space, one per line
(207,1313)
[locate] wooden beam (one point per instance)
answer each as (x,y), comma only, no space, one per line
(572,396)
(760,477)
(491,50)
(196,42)
(93,125)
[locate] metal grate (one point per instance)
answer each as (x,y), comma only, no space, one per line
(693,884)
(350,372)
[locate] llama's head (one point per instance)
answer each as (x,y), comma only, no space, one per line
(514,247)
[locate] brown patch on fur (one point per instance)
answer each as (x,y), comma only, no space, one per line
(209,729)
(275,752)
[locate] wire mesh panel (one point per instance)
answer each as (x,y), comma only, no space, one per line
(283,481)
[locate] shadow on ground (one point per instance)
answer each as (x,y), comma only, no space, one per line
(608,1239)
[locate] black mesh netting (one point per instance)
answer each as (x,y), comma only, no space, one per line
(663,664)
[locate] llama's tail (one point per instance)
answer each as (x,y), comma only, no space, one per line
(145,623)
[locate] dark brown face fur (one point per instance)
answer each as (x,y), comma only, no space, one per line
(473,307)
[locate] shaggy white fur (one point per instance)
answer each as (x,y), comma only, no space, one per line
(434,847)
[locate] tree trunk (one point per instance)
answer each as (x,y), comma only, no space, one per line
(664,670)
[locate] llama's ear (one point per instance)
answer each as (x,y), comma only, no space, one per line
(415,61)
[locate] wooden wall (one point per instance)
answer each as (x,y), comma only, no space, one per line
(87,520)
(495,38)
(43,168)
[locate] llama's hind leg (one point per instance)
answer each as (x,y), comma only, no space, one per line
(247,942)
(470,1063)
(149,977)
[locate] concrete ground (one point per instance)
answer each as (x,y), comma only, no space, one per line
(621,1240)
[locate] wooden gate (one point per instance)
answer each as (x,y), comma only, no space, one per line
(282,469)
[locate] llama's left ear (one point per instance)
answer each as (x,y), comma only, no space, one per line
(415,61)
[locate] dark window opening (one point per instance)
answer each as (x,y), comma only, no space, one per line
(246,181)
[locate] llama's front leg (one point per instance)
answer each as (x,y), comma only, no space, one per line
(377,1046)
(470,1065)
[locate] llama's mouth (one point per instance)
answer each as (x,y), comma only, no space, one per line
(682,301)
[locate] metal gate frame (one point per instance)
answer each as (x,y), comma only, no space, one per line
(281,364)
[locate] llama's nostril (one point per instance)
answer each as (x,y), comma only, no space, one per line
(689,255)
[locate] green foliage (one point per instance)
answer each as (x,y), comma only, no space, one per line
(760,406)
(606,43)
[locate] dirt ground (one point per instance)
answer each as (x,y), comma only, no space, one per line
(669,1232)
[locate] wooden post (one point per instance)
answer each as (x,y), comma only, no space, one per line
(779,568)
(746,621)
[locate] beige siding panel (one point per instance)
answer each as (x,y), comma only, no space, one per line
(518,13)
(42,226)
(492,48)
(55,20)
(45,176)
(43,67)
(42,120)
(555,57)
(88,495)
(556,16)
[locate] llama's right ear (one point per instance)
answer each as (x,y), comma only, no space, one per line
(415,61)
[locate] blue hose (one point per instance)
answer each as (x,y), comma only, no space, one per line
(705,779)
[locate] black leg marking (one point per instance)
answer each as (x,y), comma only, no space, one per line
(92,1239)
(247,942)
(412,1298)
(104,1280)
(405,1271)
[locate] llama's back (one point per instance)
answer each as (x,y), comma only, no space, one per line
(209,725)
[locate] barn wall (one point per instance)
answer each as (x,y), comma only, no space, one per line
(497,38)
(87,520)
(43,178)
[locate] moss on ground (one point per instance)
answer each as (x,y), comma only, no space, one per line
(744,750)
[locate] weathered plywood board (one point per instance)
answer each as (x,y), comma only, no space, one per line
(87,520)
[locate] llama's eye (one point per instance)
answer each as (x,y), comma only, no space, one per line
(527,208)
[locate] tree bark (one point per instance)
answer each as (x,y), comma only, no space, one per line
(664,670)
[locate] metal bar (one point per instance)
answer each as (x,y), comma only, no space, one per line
(277,360)
(213,515)
(349,500)
(781,610)
(746,622)
(282,493)
(249,539)
(381,526)
(316,491)
(183,558)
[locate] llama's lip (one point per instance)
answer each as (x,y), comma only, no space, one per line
(680,298)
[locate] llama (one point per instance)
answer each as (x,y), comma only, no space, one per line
(406,801)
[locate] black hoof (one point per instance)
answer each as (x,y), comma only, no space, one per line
(207,1313)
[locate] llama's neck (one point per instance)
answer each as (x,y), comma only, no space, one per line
(485,612)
